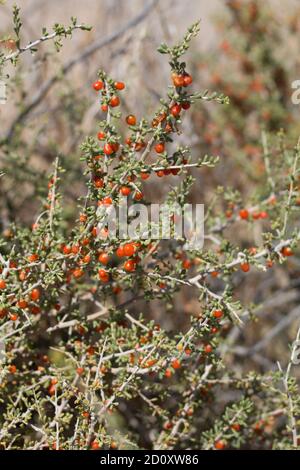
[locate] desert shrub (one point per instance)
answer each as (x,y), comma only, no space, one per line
(95,356)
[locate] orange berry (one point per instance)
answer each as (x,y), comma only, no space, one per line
(101,135)
(186,264)
(129,249)
(98,85)
(114,101)
(219,445)
(22,303)
(131,120)
(175,110)
(35,294)
(77,273)
(86,259)
(244,214)
(108,149)
(176,364)
(103,258)
(218,314)
(32,258)
(119,86)
(236,427)
(125,190)
(245,267)
(82,218)
(208,348)
(51,390)
(95,445)
(107,201)
(187,80)
(12,369)
(120,252)
(160,147)
(138,196)
(178,80)
(130,266)
(103,275)
(287,251)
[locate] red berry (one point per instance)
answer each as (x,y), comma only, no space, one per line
(51,391)
(86,259)
(98,85)
(103,258)
(256,215)
(218,314)
(107,201)
(160,147)
(178,80)
(75,249)
(129,249)
(120,252)
(35,294)
(130,266)
(186,105)
(208,349)
(2,284)
(83,218)
(79,370)
(187,79)
(138,196)
(125,190)
(35,310)
(186,264)
(104,107)
(176,364)
(287,251)
(77,273)
(101,135)
(114,101)
(103,275)
(22,303)
(244,214)
(119,85)
(95,445)
(219,445)
(175,110)
(131,120)
(108,149)
(145,176)
(115,146)
(98,182)
(32,258)
(245,267)
(236,427)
